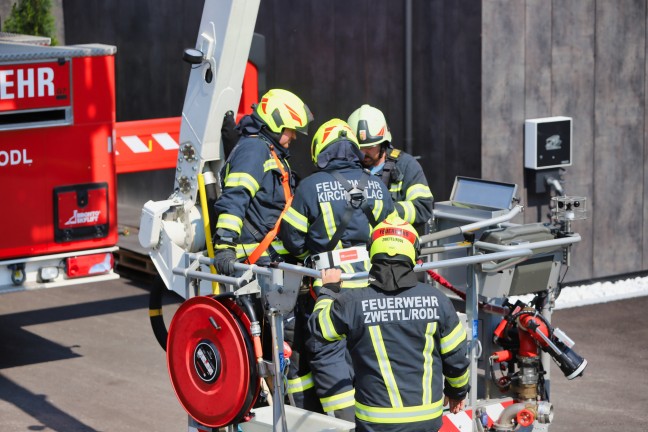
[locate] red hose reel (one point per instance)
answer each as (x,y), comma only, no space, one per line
(211,361)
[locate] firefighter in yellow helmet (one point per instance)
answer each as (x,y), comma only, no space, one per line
(257,183)
(407,344)
(328,225)
(401,173)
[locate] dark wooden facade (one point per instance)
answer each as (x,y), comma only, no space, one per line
(479,69)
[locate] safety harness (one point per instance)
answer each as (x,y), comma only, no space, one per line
(390,172)
(356,197)
(264,244)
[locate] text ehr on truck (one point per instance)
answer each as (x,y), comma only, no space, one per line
(61,153)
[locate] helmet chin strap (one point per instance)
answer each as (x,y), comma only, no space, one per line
(265,130)
(383,149)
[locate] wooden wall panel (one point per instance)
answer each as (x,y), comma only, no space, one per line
(447,95)
(480,68)
(336,56)
(151,76)
(618,136)
(537,59)
(573,95)
(429,75)
(644,192)
(537,94)
(503,83)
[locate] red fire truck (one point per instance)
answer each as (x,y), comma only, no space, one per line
(61,154)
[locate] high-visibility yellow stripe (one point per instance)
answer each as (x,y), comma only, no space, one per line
(428,362)
(385,366)
(242,179)
(377,208)
(296,220)
(244,250)
(155,312)
(322,303)
(356,283)
(301,384)
(230,222)
(399,414)
(338,401)
(459,381)
(329,220)
(270,164)
(326,324)
(396,187)
(418,191)
(452,340)
(408,212)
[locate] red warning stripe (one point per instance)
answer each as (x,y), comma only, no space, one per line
(462,422)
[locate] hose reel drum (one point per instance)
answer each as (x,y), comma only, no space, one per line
(211,362)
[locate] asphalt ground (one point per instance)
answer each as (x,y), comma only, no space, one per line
(84,358)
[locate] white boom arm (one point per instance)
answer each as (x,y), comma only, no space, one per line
(170,228)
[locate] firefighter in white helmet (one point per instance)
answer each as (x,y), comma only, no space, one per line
(407,344)
(398,170)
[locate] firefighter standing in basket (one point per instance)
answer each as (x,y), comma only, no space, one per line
(328,225)
(257,186)
(398,170)
(407,344)
(257,182)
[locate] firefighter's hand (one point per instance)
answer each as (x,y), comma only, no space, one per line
(455,405)
(224,260)
(331,276)
(229,134)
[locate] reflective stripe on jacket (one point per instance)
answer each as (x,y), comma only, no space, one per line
(411,193)
(319,205)
(252,190)
(408,349)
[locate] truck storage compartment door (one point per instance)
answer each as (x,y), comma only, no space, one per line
(81,212)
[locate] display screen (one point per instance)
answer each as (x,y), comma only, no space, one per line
(483,193)
(554,143)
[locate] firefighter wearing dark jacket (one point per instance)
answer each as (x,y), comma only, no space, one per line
(257,182)
(328,224)
(400,171)
(407,344)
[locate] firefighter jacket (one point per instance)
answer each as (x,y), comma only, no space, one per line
(252,197)
(408,187)
(318,208)
(408,349)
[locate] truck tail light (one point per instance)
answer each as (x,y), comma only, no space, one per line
(89,265)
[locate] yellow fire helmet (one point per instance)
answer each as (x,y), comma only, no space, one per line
(370,126)
(332,131)
(280,109)
(395,238)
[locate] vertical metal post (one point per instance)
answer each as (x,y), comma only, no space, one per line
(545,358)
(409,145)
(278,410)
(473,335)
(187,262)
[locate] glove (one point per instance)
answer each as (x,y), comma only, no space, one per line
(229,133)
(224,260)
